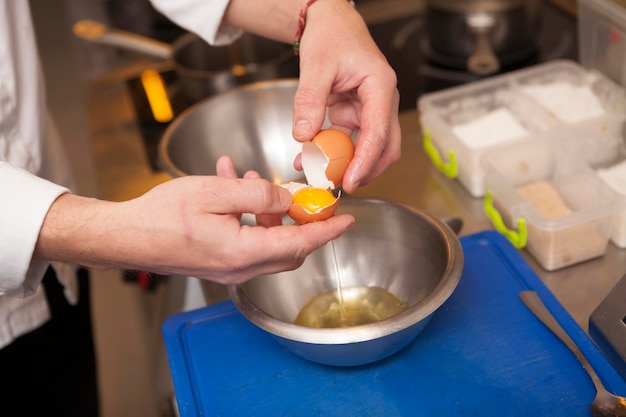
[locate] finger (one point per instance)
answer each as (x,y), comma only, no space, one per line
(310,101)
(253,271)
(251,174)
(390,155)
(297,162)
(379,136)
(233,195)
(225,167)
(293,242)
(265,220)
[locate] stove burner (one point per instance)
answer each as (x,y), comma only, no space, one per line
(421,70)
(438,67)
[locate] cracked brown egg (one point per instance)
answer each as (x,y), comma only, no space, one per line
(324,160)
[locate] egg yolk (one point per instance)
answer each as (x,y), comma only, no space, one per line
(313,199)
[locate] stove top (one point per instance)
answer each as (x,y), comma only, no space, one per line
(404,42)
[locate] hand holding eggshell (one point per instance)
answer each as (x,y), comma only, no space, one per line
(324,161)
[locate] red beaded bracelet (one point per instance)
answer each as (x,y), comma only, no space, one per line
(301,23)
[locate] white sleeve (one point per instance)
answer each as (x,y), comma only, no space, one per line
(24,202)
(203,17)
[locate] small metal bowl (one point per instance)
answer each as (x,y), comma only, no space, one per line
(411,254)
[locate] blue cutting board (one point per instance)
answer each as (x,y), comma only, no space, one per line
(483,354)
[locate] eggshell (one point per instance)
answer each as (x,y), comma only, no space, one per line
(326,157)
(303,216)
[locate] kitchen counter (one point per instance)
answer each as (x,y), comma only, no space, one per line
(123,172)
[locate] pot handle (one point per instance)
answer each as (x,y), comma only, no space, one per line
(100,33)
(483,60)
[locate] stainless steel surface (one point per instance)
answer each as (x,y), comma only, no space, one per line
(251,124)
(411,254)
(204,70)
(604,404)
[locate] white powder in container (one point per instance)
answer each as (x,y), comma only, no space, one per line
(496,126)
(567,102)
(615,176)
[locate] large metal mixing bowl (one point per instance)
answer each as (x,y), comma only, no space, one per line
(411,254)
(251,124)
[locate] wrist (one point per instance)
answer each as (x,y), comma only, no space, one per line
(338,7)
(69,232)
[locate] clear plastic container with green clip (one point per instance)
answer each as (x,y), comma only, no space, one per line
(463,123)
(549,202)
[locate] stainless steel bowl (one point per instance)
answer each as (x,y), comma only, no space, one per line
(251,124)
(411,254)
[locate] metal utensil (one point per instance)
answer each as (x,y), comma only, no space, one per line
(604,404)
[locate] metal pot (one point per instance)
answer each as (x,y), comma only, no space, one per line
(204,70)
(411,254)
(482,35)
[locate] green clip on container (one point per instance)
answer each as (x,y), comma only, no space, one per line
(450,168)
(555,241)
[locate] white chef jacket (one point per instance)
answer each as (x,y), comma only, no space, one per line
(33,172)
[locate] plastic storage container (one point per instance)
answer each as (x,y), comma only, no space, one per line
(602,37)
(603,148)
(548,201)
(462,124)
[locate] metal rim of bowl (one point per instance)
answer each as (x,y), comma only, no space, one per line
(164,158)
(363,333)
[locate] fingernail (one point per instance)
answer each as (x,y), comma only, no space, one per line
(301,128)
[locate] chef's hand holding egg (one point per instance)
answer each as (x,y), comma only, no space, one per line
(324,161)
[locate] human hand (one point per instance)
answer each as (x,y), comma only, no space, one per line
(226,168)
(342,68)
(187,226)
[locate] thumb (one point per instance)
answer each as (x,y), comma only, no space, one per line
(310,105)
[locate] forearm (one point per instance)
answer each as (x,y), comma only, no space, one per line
(188,226)
(79,230)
